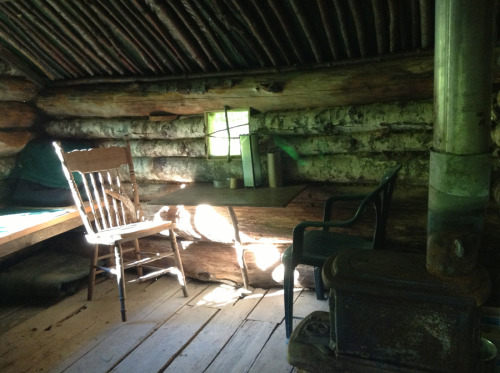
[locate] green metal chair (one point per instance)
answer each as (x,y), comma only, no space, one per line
(312,247)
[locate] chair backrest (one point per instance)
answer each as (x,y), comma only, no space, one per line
(103,171)
(381,198)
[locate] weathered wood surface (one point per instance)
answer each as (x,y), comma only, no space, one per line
(266,232)
(13,142)
(209,329)
(16,114)
(343,168)
(164,148)
(17,237)
(383,140)
(17,89)
(396,117)
(385,81)
(345,143)
(117,128)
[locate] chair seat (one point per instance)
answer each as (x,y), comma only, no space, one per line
(128,232)
(319,245)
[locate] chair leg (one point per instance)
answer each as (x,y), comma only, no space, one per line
(92,272)
(110,261)
(137,252)
(319,286)
(178,262)
(288,285)
(120,279)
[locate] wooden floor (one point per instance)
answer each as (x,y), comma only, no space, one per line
(213,330)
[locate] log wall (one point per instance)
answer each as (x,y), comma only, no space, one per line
(18,119)
(338,144)
(334,143)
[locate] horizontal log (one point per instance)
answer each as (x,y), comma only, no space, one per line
(385,81)
(395,117)
(17,89)
(13,142)
(185,169)
(135,128)
(216,262)
(14,114)
(340,168)
(163,148)
(359,142)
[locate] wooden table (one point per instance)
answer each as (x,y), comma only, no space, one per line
(206,194)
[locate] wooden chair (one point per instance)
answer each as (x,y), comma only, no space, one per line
(313,247)
(115,218)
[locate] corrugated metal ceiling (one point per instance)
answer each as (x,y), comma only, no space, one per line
(59,40)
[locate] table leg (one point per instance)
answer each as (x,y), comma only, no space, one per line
(240,252)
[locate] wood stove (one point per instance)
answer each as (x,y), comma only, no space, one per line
(388,314)
(416,312)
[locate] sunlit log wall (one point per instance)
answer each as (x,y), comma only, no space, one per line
(332,148)
(342,144)
(335,150)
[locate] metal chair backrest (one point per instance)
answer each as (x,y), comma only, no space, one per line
(381,197)
(104,171)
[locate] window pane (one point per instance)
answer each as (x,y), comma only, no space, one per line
(218,140)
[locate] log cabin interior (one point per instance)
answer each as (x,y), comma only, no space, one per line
(337,91)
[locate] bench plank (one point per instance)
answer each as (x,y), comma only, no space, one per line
(21,227)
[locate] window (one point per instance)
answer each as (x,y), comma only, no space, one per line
(223,137)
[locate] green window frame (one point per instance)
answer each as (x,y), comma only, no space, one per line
(223,129)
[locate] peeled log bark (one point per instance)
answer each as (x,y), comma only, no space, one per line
(13,142)
(216,262)
(396,117)
(17,89)
(386,81)
(184,169)
(339,168)
(364,142)
(163,148)
(15,114)
(135,128)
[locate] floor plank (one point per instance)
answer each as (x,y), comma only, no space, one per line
(167,342)
(272,357)
(211,340)
(217,328)
(243,348)
(39,326)
(270,308)
(149,311)
(306,303)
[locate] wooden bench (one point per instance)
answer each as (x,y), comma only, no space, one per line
(21,227)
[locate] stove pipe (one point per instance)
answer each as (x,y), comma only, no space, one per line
(460,165)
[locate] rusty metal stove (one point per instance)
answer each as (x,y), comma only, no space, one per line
(388,314)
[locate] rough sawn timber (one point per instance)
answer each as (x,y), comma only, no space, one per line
(384,81)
